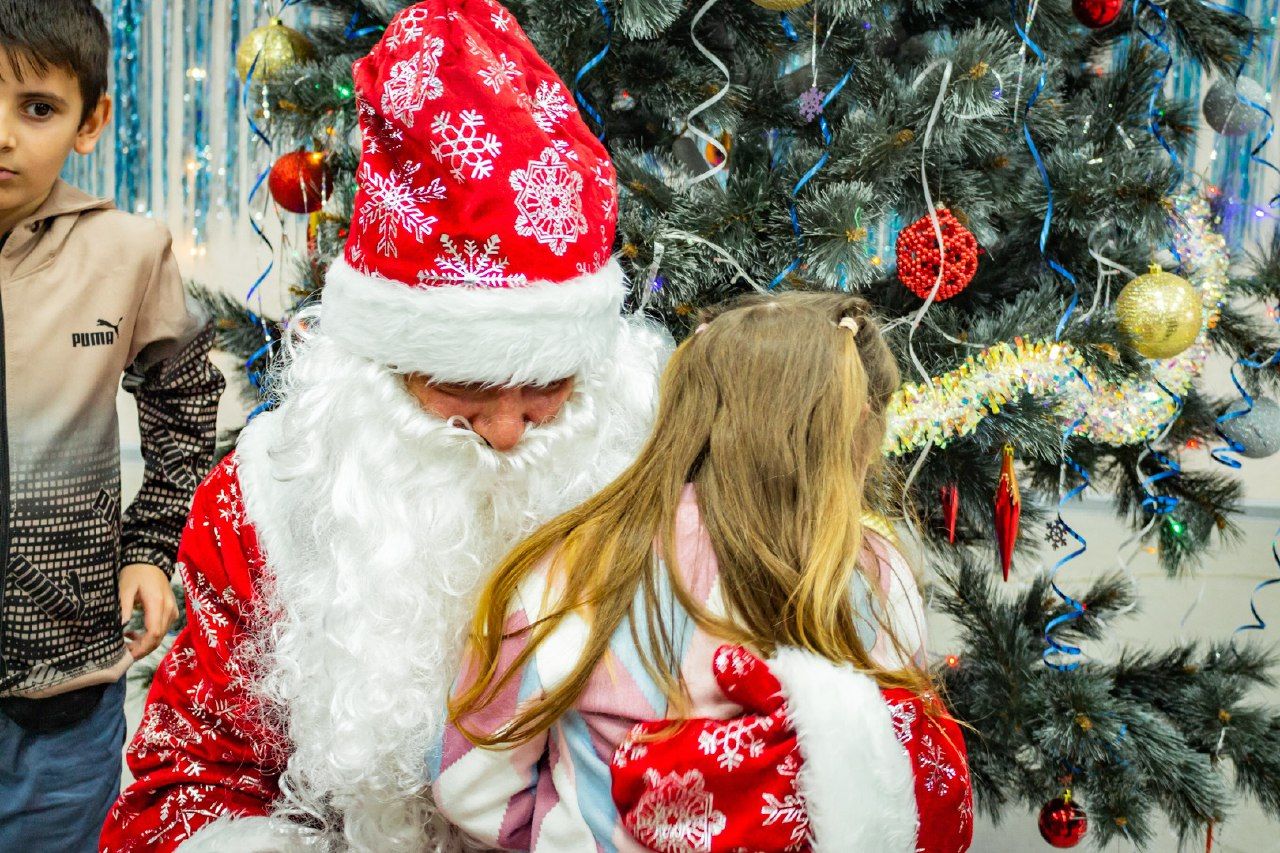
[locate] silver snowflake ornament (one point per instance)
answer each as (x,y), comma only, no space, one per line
(1055,533)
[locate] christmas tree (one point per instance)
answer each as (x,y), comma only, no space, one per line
(990,178)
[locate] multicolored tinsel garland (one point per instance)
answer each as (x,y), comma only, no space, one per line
(1118,413)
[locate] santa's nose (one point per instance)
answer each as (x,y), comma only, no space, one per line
(502,430)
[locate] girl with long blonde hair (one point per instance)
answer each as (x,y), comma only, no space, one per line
(722,612)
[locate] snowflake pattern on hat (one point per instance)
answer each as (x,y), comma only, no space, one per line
(550,201)
(454,93)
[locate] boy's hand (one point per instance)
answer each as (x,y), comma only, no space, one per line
(146,585)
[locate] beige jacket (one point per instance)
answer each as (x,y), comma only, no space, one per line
(89,295)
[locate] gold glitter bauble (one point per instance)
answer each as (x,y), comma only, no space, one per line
(1160,313)
(780,5)
(275,47)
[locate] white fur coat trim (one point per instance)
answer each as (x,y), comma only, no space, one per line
(857,780)
(537,333)
(250,835)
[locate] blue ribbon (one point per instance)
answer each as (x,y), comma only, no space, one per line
(1221,454)
(1053,646)
(589,66)
(1258,623)
(355,31)
(1156,38)
(1044,175)
(814,169)
(1255,154)
(1151,501)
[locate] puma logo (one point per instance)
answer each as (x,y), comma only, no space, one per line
(98,339)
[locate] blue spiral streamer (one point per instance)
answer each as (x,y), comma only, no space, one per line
(1152,501)
(590,65)
(354,31)
(825,129)
(1054,647)
(1044,174)
(1156,38)
(1255,154)
(1258,623)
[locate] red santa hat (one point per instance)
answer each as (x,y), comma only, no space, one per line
(485,209)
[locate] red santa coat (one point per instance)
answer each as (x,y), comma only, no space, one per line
(202,750)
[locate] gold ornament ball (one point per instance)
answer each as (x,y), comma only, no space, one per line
(275,47)
(1160,313)
(780,5)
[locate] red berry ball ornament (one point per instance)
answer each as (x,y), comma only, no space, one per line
(301,181)
(919,258)
(1062,822)
(1096,14)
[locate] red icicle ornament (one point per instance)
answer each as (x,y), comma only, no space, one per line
(949,495)
(919,259)
(1008,510)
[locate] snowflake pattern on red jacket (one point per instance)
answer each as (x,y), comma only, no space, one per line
(202,750)
(724,786)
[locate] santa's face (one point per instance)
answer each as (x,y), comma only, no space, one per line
(499,415)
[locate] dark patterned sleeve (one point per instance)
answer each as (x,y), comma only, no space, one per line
(177,399)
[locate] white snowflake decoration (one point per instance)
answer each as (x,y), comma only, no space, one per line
(550,106)
(463,146)
(733,740)
(629,751)
(904,716)
(413,82)
(789,810)
(498,71)
(676,814)
(549,198)
(937,771)
(202,600)
(501,20)
(393,203)
(408,27)
(472,264)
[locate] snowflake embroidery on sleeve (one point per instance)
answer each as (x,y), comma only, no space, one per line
(462,146)
(629,751)
(471,264)
(162,730)
(937,771)
(185,810)
(732,741)
(501,20)
(549,198)
(394,203)
(676,814)
(788,810)
(733,658)
(550,106)
(904,717)
(413,82)
(203,600)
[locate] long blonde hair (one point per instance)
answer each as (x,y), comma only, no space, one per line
(775,411)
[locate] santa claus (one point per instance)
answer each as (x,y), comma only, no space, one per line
(467,375)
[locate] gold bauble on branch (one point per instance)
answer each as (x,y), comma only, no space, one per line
(275,47)
(1160,313)
(780,5)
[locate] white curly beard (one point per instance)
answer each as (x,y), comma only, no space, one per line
(378,523)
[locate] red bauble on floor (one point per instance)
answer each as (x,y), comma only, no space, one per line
(301,181)
(1062,822)
(919,259)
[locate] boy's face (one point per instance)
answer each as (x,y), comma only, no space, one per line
(40,125)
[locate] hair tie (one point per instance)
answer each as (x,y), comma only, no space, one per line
(849,323)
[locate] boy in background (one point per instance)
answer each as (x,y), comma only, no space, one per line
(88,294)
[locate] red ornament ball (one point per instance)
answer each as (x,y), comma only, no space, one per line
(1063,823)
(1096,14)
(301,181)
(919,258)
